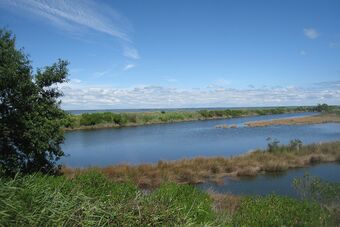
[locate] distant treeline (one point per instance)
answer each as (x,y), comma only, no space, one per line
(109,119)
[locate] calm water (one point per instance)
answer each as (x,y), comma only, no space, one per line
(183,140)
(274,183)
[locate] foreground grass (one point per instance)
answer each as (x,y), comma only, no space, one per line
(192,171)
(112,120)
(91,199)
(319,119)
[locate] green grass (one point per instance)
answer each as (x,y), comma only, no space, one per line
(92,200)
(276,210)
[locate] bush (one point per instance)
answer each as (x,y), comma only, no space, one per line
(323,108)
(274,146)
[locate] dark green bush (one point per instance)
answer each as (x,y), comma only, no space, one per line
(30,115)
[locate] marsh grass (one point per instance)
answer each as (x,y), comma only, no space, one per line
(319,119)
(201,169)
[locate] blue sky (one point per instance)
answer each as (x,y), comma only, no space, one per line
(193,53)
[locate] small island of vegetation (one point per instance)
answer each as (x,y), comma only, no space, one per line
(331,115)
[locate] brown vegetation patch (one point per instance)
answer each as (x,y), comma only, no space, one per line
(225,203)
(319,119)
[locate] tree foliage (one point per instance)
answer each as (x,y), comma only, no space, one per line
(323,108)
(30,114)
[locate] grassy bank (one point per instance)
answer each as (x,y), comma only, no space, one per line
(191,171)
(91,199)
(112,120)
(319,119)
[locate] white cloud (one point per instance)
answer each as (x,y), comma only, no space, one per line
(130,52)
(311,33)
(129,66)
(101,73)
(74,16)
(82,97)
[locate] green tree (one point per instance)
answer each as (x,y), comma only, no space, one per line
(323,108)
(30,114)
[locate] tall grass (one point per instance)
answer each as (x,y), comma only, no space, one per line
(327,194)
(91,199)
(276,210)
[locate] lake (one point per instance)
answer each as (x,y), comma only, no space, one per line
(278,183)
(149,144)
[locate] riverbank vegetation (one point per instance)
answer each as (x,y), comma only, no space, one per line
(115,120)
(91,199)
(192,171)
(319,119)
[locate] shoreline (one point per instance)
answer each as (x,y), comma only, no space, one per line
(203,169)
(104,126)
(75,125)
(317,119)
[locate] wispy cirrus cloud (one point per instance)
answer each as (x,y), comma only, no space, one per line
(311,33)
(128,66)
(73,16)
(82,97)
(99,74)
(130,52)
